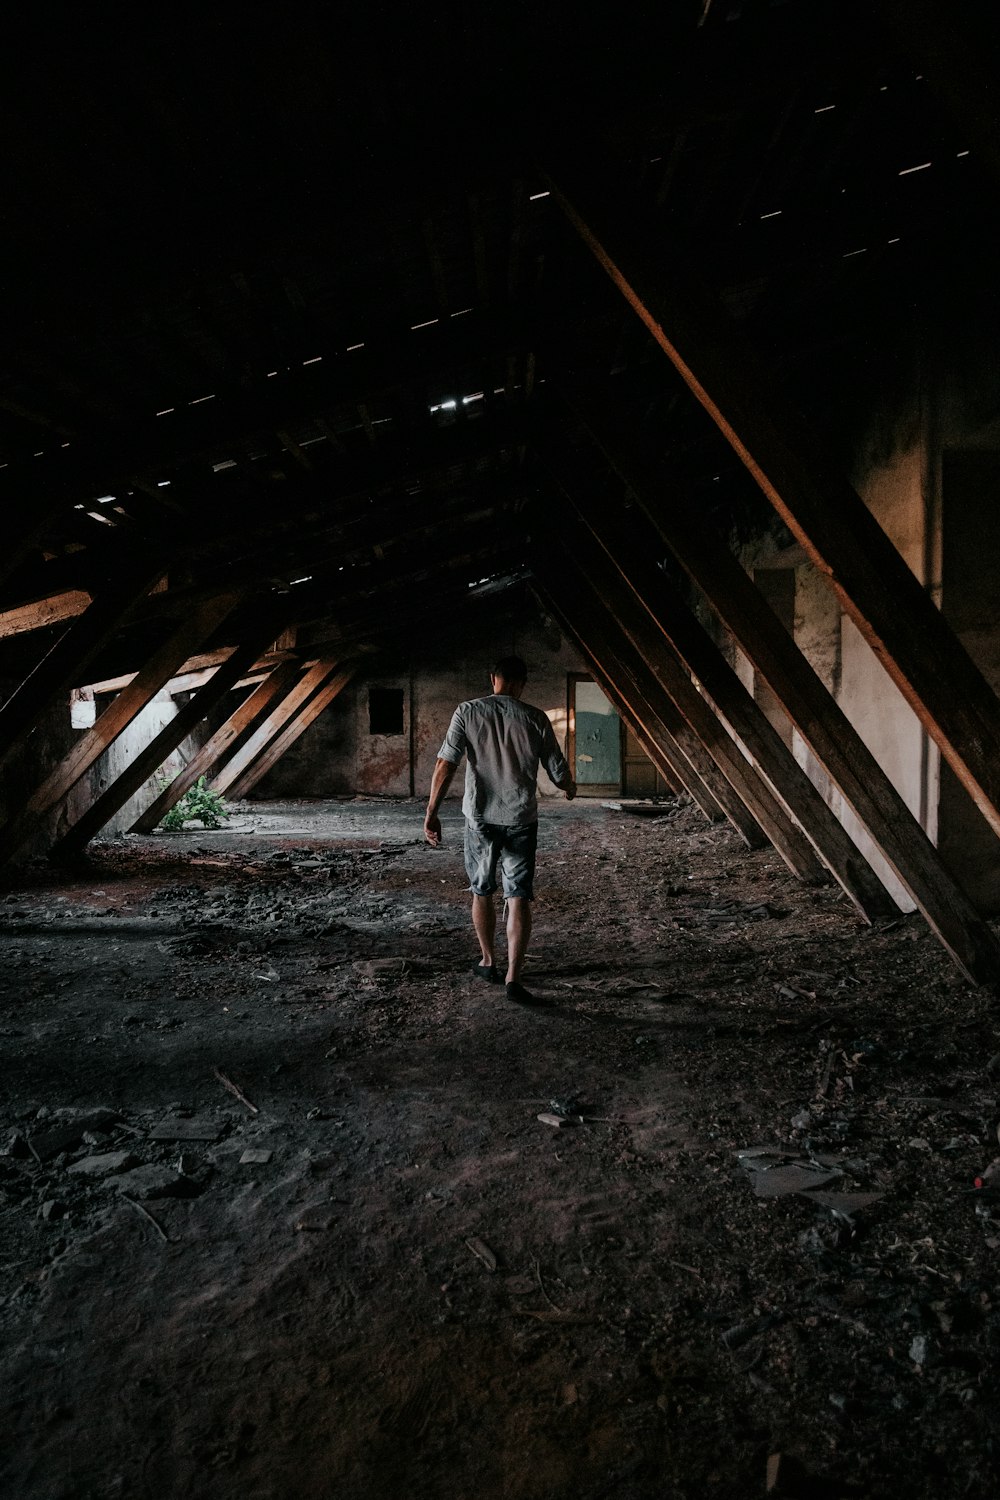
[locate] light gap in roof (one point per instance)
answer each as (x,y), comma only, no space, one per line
(166,411)
(40,453)
(921,168)
(314,361)
(532,197)
(847,255)
(824,109)
(774,214)
(227,463)
(199,399)
(428,324)
(161,484)
(961,153)
(461,312)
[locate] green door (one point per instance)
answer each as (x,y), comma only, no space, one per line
(597,739)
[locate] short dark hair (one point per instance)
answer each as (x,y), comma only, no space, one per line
(510,668)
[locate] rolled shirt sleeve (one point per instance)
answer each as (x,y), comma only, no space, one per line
(455,743)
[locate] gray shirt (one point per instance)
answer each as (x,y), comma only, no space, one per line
(504,741)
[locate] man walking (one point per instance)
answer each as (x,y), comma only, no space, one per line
(504,740)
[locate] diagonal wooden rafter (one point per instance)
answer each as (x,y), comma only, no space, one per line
(151,756)
(120,712)
(223,742)
(646,719)
(65,664)
(821,722)
(293,730)
(292,702)
(840,535)
(685,635)
(659,658)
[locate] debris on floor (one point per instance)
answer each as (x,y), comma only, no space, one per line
(262,1133)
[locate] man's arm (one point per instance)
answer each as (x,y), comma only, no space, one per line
(444,770)
(556,763)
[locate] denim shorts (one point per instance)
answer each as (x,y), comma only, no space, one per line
(491,846)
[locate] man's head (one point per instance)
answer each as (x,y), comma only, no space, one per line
(508,675)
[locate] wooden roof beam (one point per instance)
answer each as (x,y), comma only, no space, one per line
(891,609)
(819,719)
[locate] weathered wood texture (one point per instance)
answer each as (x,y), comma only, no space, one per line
(616,660)
(265,733)
(687,636)
(661,659)
(224,741)
(823,726)
(663,749)
(300,722)
(155,753)
(119,713)
(64,666)
(43,613)
(891,609)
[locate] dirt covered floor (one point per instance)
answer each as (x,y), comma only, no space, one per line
(379,1273)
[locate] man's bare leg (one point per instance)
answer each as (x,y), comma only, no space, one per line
(518,935)
(484,920)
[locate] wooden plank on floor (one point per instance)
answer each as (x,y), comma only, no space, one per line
(891,609)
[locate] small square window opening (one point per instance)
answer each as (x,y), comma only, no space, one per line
(385,710)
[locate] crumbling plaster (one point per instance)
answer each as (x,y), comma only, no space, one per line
(338,756)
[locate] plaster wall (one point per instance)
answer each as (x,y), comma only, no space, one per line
(118,757)
(339,756)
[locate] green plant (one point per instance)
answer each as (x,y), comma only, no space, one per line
(199,802)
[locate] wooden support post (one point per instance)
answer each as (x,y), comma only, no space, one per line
(662,749)
(825,728)
(64,666)
(155,753)
(687,636)
(661,660)
(891,609)
(223,742)
(299,724)
(273,725)
(117,716)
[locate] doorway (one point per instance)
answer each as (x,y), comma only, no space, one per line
(595,739)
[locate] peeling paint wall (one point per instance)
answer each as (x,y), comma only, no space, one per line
(338,755)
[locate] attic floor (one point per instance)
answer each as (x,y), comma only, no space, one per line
(327,1321)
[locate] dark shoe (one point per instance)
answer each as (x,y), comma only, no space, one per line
(521,996)
(489,974)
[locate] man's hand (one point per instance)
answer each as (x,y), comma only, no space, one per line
(432,829)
